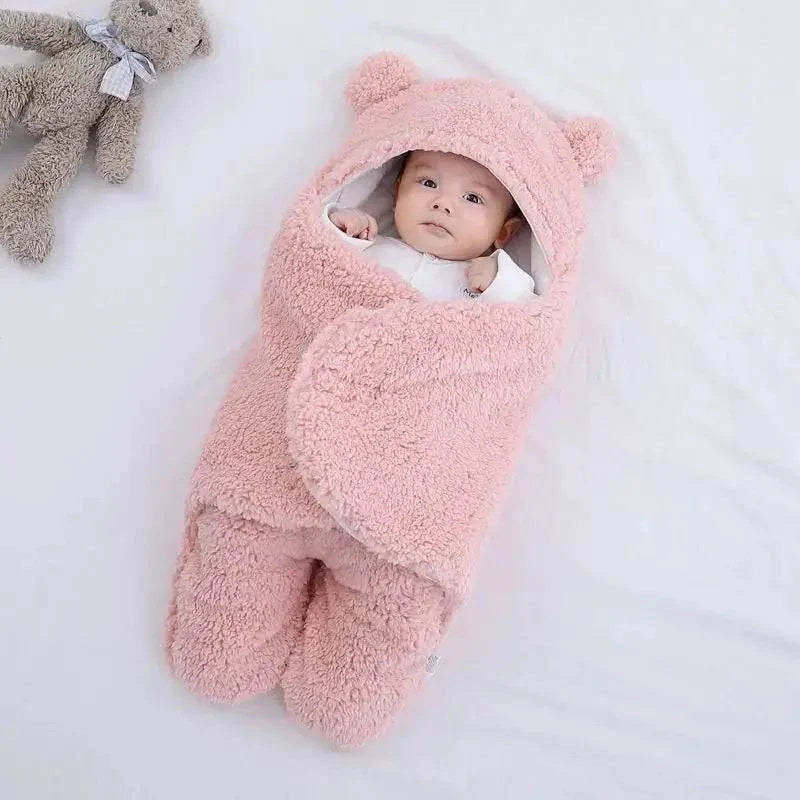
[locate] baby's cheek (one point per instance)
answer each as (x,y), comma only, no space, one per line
(482,238)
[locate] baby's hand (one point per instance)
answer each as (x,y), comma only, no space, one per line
(355,223)
(481,272)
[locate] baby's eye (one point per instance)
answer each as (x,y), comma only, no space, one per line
(473,198)
(428,183)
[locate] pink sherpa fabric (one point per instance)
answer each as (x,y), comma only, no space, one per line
(366,442)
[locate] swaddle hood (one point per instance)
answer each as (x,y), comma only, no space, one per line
(542,161)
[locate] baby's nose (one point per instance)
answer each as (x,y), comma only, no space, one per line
(441,205)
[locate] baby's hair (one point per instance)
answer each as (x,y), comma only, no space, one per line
(403,163)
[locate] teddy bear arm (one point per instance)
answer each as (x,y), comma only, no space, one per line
(45,33)
(116,138)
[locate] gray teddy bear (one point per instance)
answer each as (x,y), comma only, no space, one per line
(88,81)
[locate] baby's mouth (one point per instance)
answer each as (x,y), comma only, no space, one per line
(435,228)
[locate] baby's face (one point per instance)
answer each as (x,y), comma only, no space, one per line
(452,207)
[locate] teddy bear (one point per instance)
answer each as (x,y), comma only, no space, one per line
(92,80)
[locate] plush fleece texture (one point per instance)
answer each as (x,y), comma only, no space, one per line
(59,102)
(365,444)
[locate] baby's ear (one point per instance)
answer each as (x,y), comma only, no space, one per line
(379,77)
(508,230)
(593,146)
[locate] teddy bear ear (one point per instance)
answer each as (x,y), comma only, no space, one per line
(593,146)
(379,77)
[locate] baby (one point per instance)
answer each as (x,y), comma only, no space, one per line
(453,218)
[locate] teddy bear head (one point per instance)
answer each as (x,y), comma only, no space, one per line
(168,32)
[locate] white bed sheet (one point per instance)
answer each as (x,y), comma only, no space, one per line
(635,629)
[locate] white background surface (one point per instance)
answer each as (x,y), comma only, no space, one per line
(635,630)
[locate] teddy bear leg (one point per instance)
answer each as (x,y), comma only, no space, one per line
(26,230)
(14,91)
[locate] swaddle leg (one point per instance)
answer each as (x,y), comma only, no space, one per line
(369,630)
(239,597)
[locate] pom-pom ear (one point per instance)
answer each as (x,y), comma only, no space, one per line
(380,77)
(593,146)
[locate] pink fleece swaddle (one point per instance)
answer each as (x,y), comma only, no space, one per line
(329,536)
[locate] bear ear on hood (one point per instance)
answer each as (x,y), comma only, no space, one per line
(593,146)
(379,77)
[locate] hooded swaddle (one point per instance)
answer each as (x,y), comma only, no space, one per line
(365,444)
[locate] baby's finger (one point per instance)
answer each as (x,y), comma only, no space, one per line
(363,222)
(372,229)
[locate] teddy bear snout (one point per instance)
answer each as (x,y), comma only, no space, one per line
(148,8)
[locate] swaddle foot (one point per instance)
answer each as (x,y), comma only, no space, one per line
(363,650)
